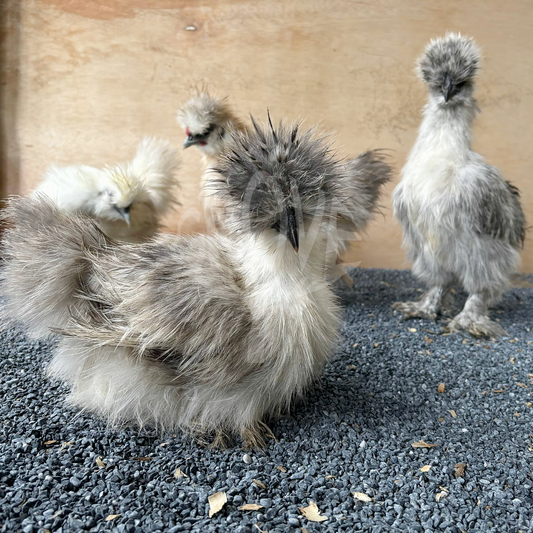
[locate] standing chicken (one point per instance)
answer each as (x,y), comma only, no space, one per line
(462,221)
(208,333)
(128,200)
(208,123)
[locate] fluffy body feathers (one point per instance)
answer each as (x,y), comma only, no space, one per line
(209,333)
(462,221)
(369,173)
(128,200)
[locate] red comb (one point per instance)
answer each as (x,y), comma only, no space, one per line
(187,131)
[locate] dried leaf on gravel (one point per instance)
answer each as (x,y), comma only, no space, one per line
(412,330)
(99,462)
(48,442)
(422,444)
(281,469)
(259,529)
(111,517)
(425,468)
(427,339)
(453,413)
(441,388)
(460,469)
(312,513)
(250,507)
(142,459)
(66,445)
(259,484)
(216,502)
(441,495)
(179,473)
(362,497)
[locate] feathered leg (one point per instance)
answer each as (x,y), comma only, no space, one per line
(474,318)
(427,269)
(428,306)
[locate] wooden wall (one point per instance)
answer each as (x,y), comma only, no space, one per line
(84,80)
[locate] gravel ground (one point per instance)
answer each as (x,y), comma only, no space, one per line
(378,396)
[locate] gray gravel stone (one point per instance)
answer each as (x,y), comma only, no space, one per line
(353,433)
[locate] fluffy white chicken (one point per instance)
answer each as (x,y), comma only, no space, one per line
(127,200)
(208,123)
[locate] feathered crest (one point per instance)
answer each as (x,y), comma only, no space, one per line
(453,55)
(127,184)
(204,111)
(268,169)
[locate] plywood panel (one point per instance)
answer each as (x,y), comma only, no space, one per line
(83,81)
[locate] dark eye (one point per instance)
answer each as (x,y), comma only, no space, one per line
(276,225)
(208,131)
(460,85)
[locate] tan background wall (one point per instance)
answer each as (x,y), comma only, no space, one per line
(84,80)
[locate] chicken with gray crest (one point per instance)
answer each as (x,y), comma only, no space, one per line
(208,123)
(208,333)
(462,221)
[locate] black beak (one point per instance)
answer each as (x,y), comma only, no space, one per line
(125,213)
(190,141)
(448,89)
(290,224)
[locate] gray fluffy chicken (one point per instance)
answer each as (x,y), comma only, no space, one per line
(462,221)
(208,123)
(207,333)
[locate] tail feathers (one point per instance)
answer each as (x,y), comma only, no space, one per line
(155,164)
(45,261)
(366,176)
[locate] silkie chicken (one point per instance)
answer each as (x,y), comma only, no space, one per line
(462,221)
(127,200)
(207,121)
(207,333)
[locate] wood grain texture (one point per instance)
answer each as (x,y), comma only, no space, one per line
(83,81)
